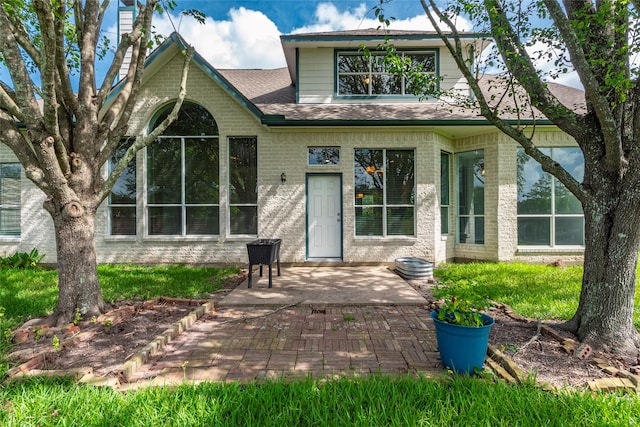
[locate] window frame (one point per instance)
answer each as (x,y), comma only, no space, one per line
(6,207)
(385,205)
(194,122)
(183,205)
(445,189)
(230,204)
(126,142)
(478,160)
(327,161)
(369,74)
(552,216)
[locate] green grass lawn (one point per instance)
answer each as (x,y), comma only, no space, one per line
(33,293)
(371,401)
(536,291)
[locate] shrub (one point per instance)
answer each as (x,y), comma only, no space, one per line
(21,260)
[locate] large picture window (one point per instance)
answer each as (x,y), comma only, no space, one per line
(10,199)
(243,185)
(360,75)
(122,200)
(384,192)
(470,177)
(183,176)
(548,214)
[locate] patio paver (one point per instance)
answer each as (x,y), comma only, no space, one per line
(315,321)
(214,349)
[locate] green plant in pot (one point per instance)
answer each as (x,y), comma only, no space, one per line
(462,332)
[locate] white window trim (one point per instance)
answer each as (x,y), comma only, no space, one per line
(243,236)
(385,205)
(552,218)
(369,74)
(182,204)
(18,207)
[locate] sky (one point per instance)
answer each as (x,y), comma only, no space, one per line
(245,34)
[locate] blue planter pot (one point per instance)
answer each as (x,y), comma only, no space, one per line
(462,348)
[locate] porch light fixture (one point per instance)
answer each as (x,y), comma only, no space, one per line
(283,177)
(367,80)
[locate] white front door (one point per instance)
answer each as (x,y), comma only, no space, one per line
(324,216)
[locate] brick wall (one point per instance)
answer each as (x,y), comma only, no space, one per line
(282,207)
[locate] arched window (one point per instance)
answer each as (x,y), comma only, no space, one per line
(183,175)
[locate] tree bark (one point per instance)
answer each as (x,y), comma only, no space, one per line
(79,290)
(604,317)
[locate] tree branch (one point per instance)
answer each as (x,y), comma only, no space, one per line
(600,104)
(139,31)
(547,163)
(21,80)
(24,39)
(64,83)
(48,68)
(116,120)
(58,184)
(143,141)
(87,39)
(7,102)
(15,140)
(78,15)
(520,65)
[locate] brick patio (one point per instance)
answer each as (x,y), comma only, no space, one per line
(232,344)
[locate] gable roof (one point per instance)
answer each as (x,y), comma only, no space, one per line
(167,50)
(367,34)
(270,95)
(372,38)
(272,92)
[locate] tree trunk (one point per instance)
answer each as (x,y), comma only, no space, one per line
(604,317)
(79,291)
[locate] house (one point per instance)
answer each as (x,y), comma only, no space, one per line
(330,154)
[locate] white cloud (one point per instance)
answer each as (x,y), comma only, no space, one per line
(543,62)
(329,18)
(544,57)
(248,39)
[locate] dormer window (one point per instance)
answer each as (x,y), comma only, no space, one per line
(368,75)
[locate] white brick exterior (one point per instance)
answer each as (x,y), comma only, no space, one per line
(282,207)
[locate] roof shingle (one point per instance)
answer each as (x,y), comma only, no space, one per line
(272,92)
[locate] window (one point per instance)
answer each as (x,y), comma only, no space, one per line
(445,196)
(183,176)
(122,200)
(548,214)
(360,75)
(384,192)
(243,185)
(324,155)
(10,200)
(470,176)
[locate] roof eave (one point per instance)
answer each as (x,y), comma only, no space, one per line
(175,40)
(279,120)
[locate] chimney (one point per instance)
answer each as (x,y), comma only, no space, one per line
(126,15)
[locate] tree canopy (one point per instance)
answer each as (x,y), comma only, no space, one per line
(63,133)
(599,41)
